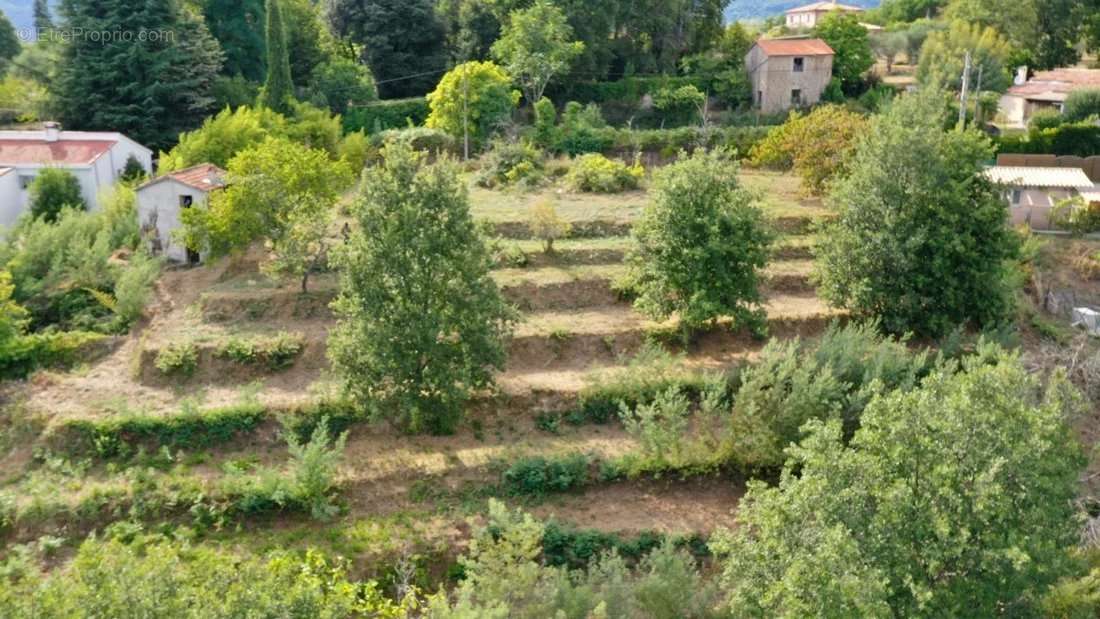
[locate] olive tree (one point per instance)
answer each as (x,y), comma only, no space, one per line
(421,323)
(536,44)
(921,238)
(700,246)
(953,499)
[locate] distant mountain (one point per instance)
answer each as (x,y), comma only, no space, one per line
(760,9)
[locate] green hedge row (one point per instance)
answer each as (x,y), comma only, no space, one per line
(122,437)
(1081,140)
(627,90)
(27,353)
(387,114)
(663,142)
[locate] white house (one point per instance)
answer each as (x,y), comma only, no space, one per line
(161,201)
(1033,192)
(806,17)
(96,159)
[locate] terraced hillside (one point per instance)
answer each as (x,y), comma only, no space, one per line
(171,423)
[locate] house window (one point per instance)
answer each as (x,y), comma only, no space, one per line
(25,181)
(799,65)
(796,97)
(1017,195)
(186,201)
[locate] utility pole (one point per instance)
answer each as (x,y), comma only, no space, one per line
(965,88)
(466,111)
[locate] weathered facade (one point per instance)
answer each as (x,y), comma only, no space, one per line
(788,73)
(1033,192)
(160,206)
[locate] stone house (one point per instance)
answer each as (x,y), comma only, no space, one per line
(788,73)
(161,202)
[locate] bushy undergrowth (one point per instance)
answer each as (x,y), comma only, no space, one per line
(536,476)
(511,164)
(26,353)
(178,359)
(276,352)
(595,173)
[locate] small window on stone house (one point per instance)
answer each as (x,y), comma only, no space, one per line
(799,64)
(1017,195)
(186,201)
(796,97)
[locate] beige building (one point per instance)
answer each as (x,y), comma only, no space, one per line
(806,17)
(1034,192)
(788,73)
(1046,90)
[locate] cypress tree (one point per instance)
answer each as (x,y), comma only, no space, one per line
(42,19)
(278,89)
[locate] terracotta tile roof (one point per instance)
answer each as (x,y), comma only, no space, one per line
(1058,81)
(824,6)
(795,47)
(16,151)
(204,177)
(1018,176)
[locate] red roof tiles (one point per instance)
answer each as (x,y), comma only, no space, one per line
(795,47)
(204,177)
(71,152)
(1061,81)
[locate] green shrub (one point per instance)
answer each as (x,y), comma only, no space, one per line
(51,191)
(511,163)
(313,467)
(134,286)
(432,141)
(1076,216)
(1081,105)
(547,226)
(178,358)
(1045,119)
(26,353)
(546,117)
(598,174)
(659,426)
(566,546)
(275,352)
(8,510)
(536,476)
(389,114)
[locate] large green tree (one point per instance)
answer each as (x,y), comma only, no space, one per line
(278,90)
(921,240)
(9,43)
(53,190)
(943,58)
(42,18)
(536,44)
(278,191)
(853,56)
(401,41)
(700,246)
(238,25)
(953,500)
(421,323)
(474,98)
(150,90)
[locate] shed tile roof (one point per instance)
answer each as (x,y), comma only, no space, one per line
(204,177)
(824,6)
(22,151)
(795,47)
(1039,177)
(1058,82)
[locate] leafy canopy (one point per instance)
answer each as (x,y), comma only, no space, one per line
(921,240)
(53,190)
(477,96)
(421,323)
(278,191)
(848,38)
(536,44)
(954,499)
(942,58)
(700,246)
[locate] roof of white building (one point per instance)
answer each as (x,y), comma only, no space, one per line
(824,6)
(204,177)
(1018,176)
(1054,85)
(57,147)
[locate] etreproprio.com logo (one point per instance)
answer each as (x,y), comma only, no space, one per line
(69,35)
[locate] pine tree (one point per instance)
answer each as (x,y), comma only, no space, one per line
(278,89)
(149,89)
(42,19)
